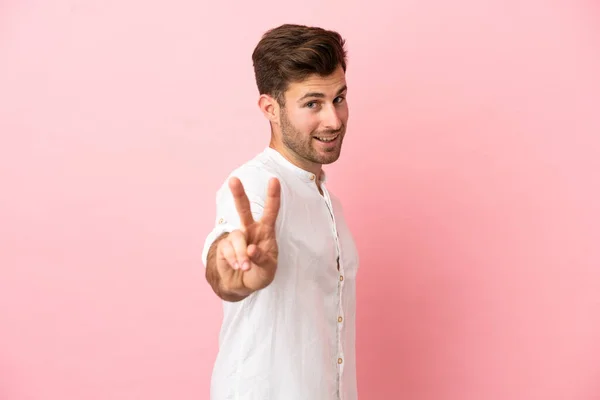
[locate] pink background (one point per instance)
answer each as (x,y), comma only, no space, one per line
(470,176)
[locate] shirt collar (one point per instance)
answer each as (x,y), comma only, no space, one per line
(306,176)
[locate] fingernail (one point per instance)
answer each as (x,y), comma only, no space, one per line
(236,265)
(245,265)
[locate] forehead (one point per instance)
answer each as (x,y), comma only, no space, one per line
(327,85)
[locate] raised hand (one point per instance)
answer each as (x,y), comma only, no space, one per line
(247,258)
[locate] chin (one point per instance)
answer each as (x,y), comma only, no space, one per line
(329,159)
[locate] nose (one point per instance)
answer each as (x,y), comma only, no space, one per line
(331,119)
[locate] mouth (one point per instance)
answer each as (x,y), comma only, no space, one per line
(327,139)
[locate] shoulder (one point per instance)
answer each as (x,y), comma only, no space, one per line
(254,175)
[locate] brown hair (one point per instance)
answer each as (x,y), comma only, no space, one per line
(290,53)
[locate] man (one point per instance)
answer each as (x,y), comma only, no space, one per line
(281,256)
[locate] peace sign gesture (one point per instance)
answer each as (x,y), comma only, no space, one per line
(246,259)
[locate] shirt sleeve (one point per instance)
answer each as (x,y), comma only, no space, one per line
(227,219)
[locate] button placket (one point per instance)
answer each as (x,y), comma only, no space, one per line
(340,318)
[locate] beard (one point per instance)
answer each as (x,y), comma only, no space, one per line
(306,146)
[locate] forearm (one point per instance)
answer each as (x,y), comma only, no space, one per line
(213,277)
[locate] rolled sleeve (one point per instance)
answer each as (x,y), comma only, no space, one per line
(227,218)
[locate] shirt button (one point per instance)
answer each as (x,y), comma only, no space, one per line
(220,220)
(340,360)
(312,177)
(341,278)
(340,319)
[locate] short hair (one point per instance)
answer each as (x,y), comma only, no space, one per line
(290,53)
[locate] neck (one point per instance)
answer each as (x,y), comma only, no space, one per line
(294,159)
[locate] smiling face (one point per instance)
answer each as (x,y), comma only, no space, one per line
(309,128)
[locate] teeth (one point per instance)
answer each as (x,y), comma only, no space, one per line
(327,140)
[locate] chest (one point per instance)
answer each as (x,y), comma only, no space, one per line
(318,243)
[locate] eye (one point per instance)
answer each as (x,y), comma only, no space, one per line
(339,99)
(311,104)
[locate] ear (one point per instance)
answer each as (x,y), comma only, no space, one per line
(269,107)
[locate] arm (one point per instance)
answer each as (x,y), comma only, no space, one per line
(214,278)
(243,259)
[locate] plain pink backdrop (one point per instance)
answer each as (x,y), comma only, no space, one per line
(470,176)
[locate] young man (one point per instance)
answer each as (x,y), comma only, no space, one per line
(281,255)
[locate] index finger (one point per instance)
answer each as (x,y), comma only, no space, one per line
(272,202)
(242,204)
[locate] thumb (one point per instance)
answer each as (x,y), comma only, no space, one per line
(255,254)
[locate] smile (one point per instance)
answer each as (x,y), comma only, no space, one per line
(327,139)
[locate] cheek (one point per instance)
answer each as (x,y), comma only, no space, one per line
(343,113)
(305,122)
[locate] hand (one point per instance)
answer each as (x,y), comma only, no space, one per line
(247,257)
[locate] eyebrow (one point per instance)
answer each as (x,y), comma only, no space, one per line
(322,95)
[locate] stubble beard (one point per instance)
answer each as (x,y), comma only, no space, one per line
(304,147)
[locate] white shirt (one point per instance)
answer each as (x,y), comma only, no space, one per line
(295,339)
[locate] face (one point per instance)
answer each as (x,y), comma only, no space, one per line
(310,128)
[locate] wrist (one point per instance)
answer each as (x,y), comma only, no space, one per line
(233,294)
